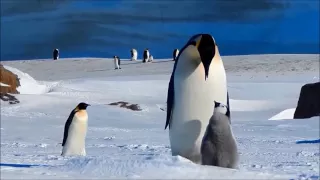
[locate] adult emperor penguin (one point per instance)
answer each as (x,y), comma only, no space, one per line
(219,147)
(175,54)
(75,131)
(197,80)
(116,61)
(55,54)
(134,54)
(146,55)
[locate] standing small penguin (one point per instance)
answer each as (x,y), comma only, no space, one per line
(175,54)
(75,131)
(146,55)
(219,147)
(134,54)
(55,54)
(116,60)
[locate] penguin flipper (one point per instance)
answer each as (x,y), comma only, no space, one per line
(170,98)
(66,127)
(228,104)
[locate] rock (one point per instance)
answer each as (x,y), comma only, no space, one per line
(309,101)
(10,98)
(122,104)
(9,81)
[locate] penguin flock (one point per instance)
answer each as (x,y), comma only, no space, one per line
(147,57)
(198,109)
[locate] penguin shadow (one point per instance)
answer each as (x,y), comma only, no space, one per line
(163,61)
(127,63)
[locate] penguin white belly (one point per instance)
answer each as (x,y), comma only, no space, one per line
(176,54)
(193,107)
(116,64)
(75,144)
(135,56)
(148,56)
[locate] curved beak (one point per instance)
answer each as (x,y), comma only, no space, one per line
(206,47)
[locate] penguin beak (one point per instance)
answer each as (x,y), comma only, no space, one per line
(206,47)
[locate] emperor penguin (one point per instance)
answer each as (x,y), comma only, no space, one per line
(116,60)
(134,54)
(146,55)
(175,54)
(55,54)
(219,147)
(75,131)
(197,80)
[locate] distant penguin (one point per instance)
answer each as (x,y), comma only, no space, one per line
(146,55)
(116,60)
(134,54)
(175,54)
(55,54)
(75,131)
(219,147)
(197,80)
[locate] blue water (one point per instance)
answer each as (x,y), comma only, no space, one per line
(308,141)
(21,165)
(31,29)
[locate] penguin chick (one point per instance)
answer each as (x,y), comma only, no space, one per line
(219,147)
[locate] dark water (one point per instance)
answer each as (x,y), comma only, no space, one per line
(30,29)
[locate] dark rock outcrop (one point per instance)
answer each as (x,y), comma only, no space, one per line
(9,98)
(10,79)
(309,101)
(9,84)
(122,104)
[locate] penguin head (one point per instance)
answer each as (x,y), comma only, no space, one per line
(221,108)
(82,106)
(201,47)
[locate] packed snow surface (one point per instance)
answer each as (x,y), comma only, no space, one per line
(122,143)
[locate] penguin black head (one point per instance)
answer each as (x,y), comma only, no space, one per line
(206,47)
(82,106)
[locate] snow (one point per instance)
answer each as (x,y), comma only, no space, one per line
(122,143)
(284,115)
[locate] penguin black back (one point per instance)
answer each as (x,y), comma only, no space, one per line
(145,55)
(55,54)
